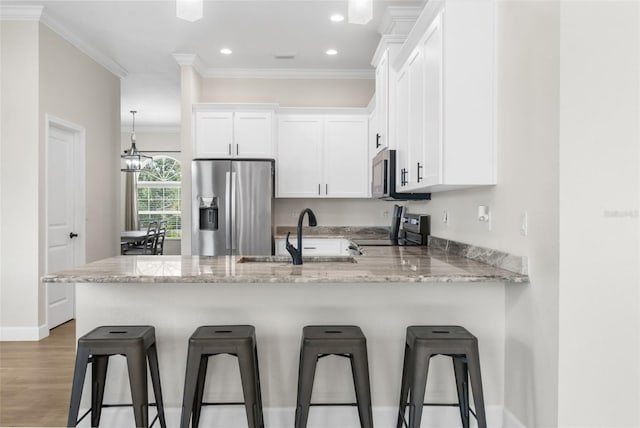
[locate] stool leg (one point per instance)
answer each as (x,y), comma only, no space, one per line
(137,365)
(419,370)
(473,360)
(306,373)
(462,386)
(98,378)
(249,385)
(79,372)
(360,369)
(190,382)
(154,368)
(259,404)
(404,386)
(197,401)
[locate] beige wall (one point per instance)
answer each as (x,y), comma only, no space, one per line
(599,374)
(19,174)
(290,92)
(43,74)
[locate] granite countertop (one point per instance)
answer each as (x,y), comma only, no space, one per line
(376,265)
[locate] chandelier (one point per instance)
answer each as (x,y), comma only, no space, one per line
(189,10)
(360,11)
(132,159)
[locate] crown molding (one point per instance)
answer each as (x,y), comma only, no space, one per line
(192,60)
(288,73)
(385,41)
(398,19)
(20,13)
(39,14)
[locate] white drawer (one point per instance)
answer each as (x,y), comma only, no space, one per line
(315,246)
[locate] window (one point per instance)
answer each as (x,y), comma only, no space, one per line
(159,194)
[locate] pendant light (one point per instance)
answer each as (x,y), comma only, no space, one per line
(360,11)
(189,10)
(132,159)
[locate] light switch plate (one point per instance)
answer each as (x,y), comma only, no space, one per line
(524,223)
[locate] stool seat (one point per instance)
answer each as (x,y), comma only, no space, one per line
(424,342)
(343,340)
(207,341)
(137,344)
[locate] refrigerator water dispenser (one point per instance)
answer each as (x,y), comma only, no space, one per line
(208,213)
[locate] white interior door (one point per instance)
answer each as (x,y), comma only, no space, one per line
(64,192)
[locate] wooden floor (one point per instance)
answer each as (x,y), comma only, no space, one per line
(35,379)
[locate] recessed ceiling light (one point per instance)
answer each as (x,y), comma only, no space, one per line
(332,52)
(336,17)
(226,51)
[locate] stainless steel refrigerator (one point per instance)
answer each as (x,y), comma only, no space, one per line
(231,212)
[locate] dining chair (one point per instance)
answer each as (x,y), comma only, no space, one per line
(160,235)
(148,244)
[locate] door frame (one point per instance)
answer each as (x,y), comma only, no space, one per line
(79,177)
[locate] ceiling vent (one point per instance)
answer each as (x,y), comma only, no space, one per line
(284,55)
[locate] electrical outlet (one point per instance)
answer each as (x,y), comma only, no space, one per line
(524,223)
(445,217)
(385,214)
(483,213)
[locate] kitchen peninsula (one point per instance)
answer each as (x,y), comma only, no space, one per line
(383,291)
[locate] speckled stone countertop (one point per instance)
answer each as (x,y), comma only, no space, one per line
(349,232)
(376,265)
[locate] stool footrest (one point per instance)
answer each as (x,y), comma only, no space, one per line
(231,403)
(333,404)
(120,405)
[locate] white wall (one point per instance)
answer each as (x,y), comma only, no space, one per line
(527,153)
(19,203)
(599,367)
(44,74)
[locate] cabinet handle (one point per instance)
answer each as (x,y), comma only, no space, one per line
(378,141)
(403,175)
(419,168)
(237,149)
(318,189)
(326,189)
(309,248)
(229,149)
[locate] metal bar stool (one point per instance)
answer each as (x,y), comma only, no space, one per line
(344,341)
(137,344)
(207,341)
(424,342)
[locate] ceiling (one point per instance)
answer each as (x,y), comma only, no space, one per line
(139,38)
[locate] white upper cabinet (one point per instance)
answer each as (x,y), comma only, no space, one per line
(299,156)
(229,131)
(449,59)
(385,95)
(346,160)
(322,155)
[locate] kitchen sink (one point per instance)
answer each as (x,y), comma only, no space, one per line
(305,259)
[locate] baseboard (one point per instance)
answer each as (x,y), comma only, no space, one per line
(319,417)
(510,421)
(19,334)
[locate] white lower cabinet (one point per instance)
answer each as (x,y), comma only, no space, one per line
(322,156)
(315,246)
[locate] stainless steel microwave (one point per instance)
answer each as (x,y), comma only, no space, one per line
(383,184)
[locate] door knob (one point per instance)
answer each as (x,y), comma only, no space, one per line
(72,235)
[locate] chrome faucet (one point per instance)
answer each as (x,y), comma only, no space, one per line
(296,253)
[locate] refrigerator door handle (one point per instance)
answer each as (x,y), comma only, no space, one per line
(234,235)
(227,202)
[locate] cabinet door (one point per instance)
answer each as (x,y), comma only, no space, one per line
(415,133)
(382,102)
(432,49)
(252,135)
(346,159)
(299,156)
(402,131)
(213,137)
